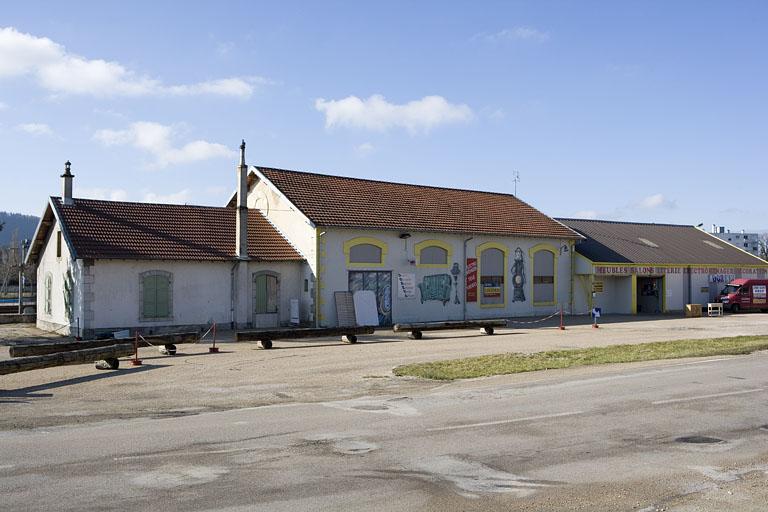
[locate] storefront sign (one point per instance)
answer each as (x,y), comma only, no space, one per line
(491,291)
(406,288)
(471,280)
(648,270)
(597,287)
(637,270)
(721,278)
(728,270)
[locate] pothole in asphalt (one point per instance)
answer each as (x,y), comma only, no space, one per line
(699,440)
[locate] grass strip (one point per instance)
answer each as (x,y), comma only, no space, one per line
(503,364)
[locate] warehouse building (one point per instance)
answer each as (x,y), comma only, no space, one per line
(285,244)
(639,268)
(427,253)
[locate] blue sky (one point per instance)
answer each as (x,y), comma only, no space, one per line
(644,111)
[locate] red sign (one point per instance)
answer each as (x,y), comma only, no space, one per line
(471,279)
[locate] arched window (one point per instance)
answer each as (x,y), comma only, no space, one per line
(365,252)
(48,307)
(432,253)
(544,275)
(156,295)
(492,265)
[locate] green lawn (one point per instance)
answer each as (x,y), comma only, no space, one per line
(502,364)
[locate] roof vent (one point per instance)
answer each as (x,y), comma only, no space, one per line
(647,242)
(713,244)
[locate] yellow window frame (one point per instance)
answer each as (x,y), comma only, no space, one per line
(479,255)
(360,240)
(555,253)
(429,243)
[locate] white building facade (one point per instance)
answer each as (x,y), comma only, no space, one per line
(417,274)
(104,266)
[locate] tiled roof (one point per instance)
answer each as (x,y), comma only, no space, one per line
(123,230)
(337,201)
(631,242)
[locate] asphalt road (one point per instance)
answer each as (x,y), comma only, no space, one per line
(302,371)
(591,439)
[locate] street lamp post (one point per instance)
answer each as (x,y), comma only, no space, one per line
(22,249)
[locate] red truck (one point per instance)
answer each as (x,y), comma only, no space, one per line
(745,294)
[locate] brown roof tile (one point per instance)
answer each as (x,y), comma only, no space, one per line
(337,201)
(123,230)
(635,242)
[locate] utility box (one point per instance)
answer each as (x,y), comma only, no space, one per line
(693,310)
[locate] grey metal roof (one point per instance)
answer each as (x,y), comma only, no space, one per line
(634,242)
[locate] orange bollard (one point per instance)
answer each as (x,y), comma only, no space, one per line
(136,361)
(213,349)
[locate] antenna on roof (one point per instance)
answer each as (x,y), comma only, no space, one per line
(516,180)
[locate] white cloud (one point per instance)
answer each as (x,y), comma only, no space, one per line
(513,34)
(364,149)
(3,106)
(156,139)
(224,48)
(586,214)
(497,114)
(652,202)
(182,196)
(108,194)
(62,72)
(657,201)
(35,128)
(376,113)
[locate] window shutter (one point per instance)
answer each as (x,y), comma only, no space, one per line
(149,307)
(260,294)
(271,294)
(162,297)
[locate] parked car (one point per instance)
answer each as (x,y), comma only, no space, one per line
(744,295)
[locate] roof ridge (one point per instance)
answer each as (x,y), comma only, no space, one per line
(568,219)
(369,180)
(145,203)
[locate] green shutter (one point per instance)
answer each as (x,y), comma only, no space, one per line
(260,294)
(157,296)
(149,307)
(163,297)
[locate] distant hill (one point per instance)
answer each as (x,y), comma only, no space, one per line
(26,224)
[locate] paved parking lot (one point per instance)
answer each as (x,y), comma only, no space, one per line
(303,370)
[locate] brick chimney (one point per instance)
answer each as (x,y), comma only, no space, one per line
(66,184)
(241,222)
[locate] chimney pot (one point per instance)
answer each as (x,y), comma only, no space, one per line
(66,184)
